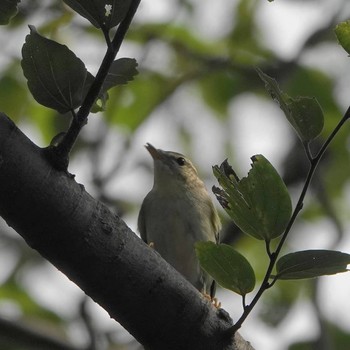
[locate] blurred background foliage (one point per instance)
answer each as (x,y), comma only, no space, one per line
(197,92)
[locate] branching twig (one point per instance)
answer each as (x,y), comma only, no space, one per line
(314,161)
(59,154)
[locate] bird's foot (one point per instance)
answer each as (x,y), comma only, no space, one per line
(214,301)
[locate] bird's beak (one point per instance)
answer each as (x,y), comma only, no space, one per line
(153,151)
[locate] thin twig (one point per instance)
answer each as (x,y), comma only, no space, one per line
(273,256)
(59,155)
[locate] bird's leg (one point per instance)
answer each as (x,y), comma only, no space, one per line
(214,301)
(211,296)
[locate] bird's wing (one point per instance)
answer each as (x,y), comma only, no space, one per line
(141,223)
(215,222)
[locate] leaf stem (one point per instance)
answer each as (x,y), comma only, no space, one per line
(59,155)
(268,248)
(273,256)
(244,304)
(106,36)
(306,145)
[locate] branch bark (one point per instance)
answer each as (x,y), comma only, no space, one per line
(97,251)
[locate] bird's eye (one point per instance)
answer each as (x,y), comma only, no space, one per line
(180,161)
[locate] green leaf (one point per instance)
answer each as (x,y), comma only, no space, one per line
(342,31)
(306,117)
(311,263)
(122,71)
(303,113)
(101,14)
(228,267)
(8,9)
(55,75)
(259,204)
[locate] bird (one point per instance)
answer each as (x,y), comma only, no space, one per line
(177,213)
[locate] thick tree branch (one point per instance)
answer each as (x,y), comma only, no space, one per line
(97,251)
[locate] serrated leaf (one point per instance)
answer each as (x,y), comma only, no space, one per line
(228,267)
(8,9)
(311,263)
(342,31)
(106,14)
(259,204)
(122,71)
(55,76)
(307,117)
(303,113)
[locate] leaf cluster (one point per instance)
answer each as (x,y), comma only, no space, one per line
(261,207)
(58,79)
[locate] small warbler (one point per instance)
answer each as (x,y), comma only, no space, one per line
(177,213)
